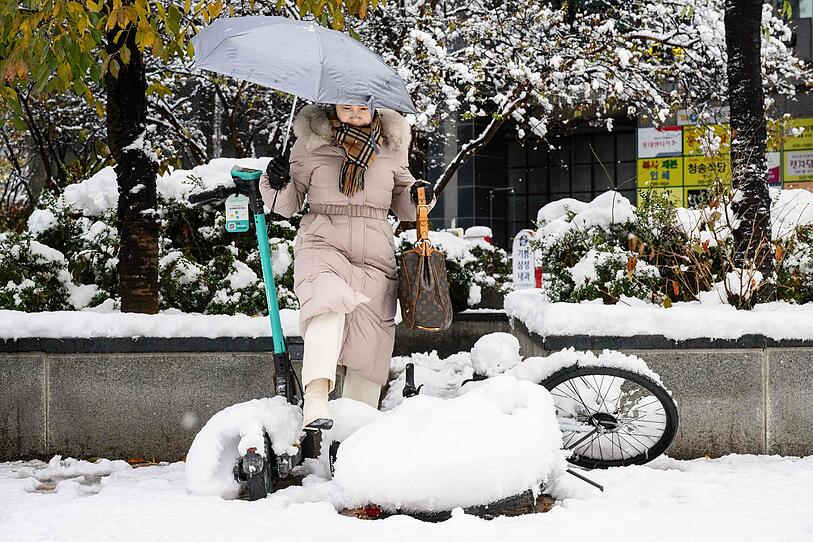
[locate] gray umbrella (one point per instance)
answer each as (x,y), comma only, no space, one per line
(300,58)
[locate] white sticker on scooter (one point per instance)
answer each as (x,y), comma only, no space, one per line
(237,213)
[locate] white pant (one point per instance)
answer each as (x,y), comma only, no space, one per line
(323,344)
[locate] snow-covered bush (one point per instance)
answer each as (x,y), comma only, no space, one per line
(202,268)
(32,275)
(607,249)
(584,253)
(474,267)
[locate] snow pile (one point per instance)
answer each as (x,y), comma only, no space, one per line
(475,232)
(439,377)
(99,193)
(708,318)
(95,195)
(41,220)
(537,368)
(229,433)
(58,468)
(431,454)
(558,217)
(495,353)
(455,248)
(170,323)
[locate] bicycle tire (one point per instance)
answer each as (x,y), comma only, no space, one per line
(659,446)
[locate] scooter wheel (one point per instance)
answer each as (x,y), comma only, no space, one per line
(261,482)
(260,485)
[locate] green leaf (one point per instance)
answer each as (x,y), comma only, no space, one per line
(174,19)
(19,124)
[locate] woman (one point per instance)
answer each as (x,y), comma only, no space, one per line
(353,167)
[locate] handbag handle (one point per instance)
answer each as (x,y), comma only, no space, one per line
(422,222)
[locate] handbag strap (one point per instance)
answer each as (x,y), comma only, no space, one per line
(422,222)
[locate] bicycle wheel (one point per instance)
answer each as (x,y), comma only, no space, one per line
(611,417)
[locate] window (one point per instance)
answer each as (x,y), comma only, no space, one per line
(580,165)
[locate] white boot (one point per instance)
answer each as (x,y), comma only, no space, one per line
(361,389)
(315,414)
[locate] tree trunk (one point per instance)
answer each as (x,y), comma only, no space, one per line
(752,209)
(136,170)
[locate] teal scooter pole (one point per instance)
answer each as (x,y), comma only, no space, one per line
(270,285)
(247,181)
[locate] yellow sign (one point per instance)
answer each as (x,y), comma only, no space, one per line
(798,166)
(705,170)
(675,195)
(798,134)
(659,172)
(714,138)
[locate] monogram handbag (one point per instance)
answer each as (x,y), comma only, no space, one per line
(423,289)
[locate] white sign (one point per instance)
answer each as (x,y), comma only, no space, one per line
(523,261)
(654,142)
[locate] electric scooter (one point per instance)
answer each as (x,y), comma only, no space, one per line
(261,470)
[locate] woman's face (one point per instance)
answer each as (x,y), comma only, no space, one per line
(356,115)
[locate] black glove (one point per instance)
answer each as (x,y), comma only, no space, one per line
(278,171)
(429,191)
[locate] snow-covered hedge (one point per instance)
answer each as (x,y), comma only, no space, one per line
(68,254)
(472,265)
(610,250)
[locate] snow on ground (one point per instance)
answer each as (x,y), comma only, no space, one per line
(89,323)
(743,498)
(683,320)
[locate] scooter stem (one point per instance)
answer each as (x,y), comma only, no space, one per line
(270,285)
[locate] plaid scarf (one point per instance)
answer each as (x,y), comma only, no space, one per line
(361,145)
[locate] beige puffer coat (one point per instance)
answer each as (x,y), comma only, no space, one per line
(344,259)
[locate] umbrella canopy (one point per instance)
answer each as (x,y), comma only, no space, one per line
(300,58)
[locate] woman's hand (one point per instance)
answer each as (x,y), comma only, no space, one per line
(429,191)
(278,171)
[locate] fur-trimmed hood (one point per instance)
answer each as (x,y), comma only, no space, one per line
(312,125)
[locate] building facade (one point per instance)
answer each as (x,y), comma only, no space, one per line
(505,184)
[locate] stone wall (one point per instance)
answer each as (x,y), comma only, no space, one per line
(147,398)
(748,396)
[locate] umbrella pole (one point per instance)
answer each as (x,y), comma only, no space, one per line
(288,127)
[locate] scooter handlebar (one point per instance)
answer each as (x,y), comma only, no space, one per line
(219,193)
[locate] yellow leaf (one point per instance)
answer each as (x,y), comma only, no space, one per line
(113,66)
(124,53)
(111,19)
